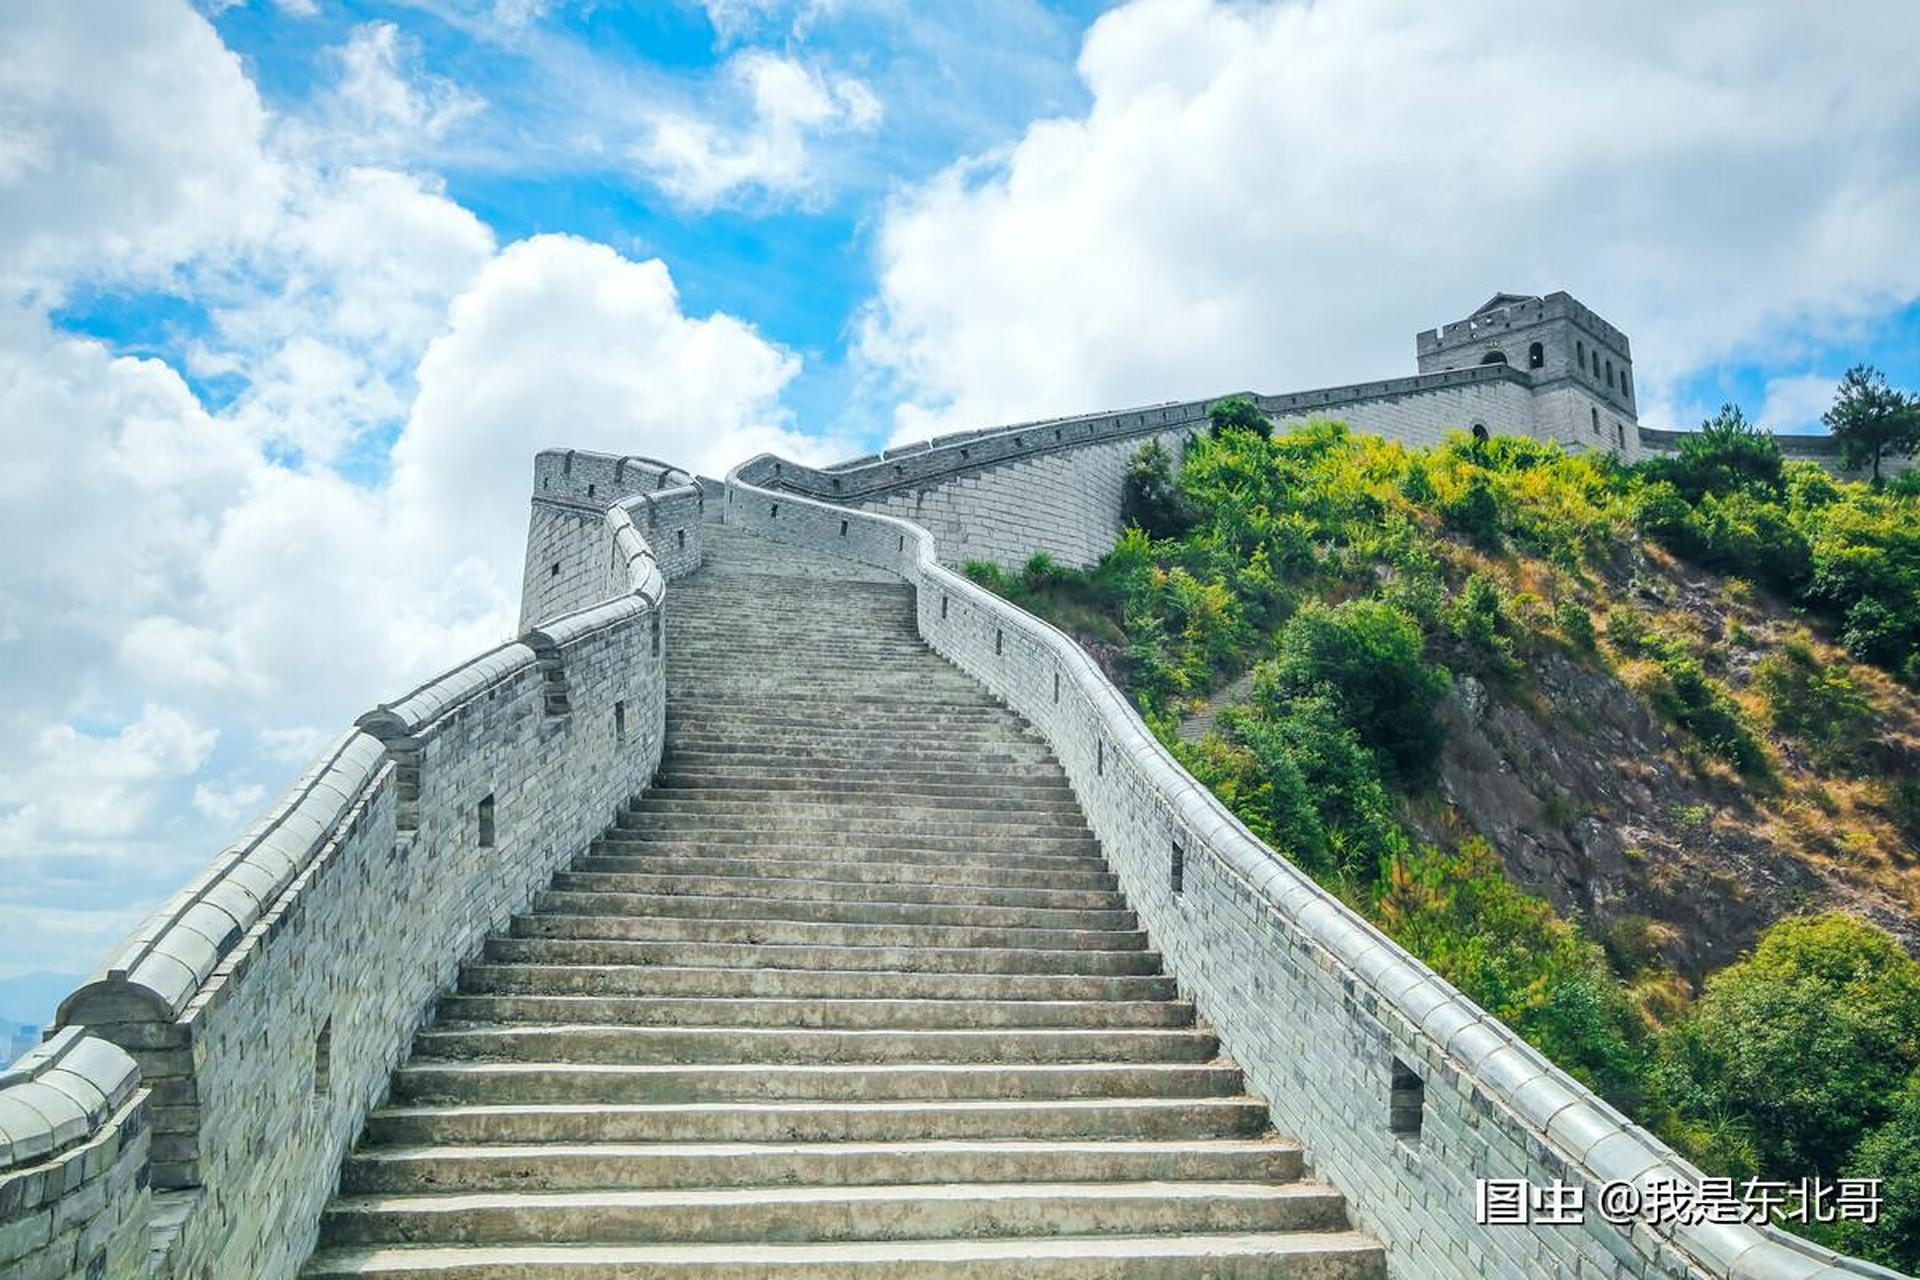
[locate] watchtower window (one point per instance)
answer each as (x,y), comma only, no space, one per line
(1609,373)
(1536,356)
(1494,357)
(1580,355)
(1480,432)
(1596,420)
(1596,364)
(486,822)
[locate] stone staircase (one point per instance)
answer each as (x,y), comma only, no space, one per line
(849,993)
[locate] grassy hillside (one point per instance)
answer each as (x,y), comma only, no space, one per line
(1632,755)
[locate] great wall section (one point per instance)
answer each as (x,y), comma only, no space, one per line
(782,904)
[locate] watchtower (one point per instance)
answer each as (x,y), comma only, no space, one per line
(1551,338)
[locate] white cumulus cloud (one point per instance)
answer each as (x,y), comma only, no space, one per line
(786,107)
(1276,196)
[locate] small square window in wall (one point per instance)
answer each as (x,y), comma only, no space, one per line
(619,722)
(1177,870)
(680,539)
(554,572)
(486,822)
(1406,1102)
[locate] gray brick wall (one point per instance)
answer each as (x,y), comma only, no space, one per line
(267,1003)
(1314,1003)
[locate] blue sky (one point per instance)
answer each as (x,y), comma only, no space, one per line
(291,291)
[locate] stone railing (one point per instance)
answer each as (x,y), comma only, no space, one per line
(933,461)
(1403,1091)
(1299,403)
(73,1161)
(266,1004)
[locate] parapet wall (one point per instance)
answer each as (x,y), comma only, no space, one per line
(570,559)
(1821,449)
(260,1012)
(1402,1090)
(1055,486)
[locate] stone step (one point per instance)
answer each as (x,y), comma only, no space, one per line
(584,1043)
(856,866)
(981,806)
(721,788)
(840,778)
(854,751)
(827,911)
(906,938)
(854,821)
(574,1082)
(607,1165)
(931,866)
(865,1120)
(545,940)
(871,1013)
(908,713)
(930,1211)
(764,888)
(769,724)
(772,837)
(1306,1255)
(660,981)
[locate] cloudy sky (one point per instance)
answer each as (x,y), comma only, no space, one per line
(291,290)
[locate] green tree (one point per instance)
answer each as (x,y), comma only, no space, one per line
(1237,413)
(1804,1045)
(1891,1153)
(1726,455)
(1150,497)
(1871,420)
(1368,655)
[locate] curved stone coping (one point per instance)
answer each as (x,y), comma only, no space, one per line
(60,1094)
(177,948)
(1595,1139)
(157,972)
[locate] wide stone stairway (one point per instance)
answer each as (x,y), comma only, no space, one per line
(850,992)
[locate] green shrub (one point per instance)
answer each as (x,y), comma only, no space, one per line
(1368,656)
(1806,1044)
(1318,789)
(1478,616)
(1814,703)
(1237,413)
(1890,1153)
(1514,956)
(1475,510)
(1575,623)
(1692,699)
(1150,497)
(1726,455)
